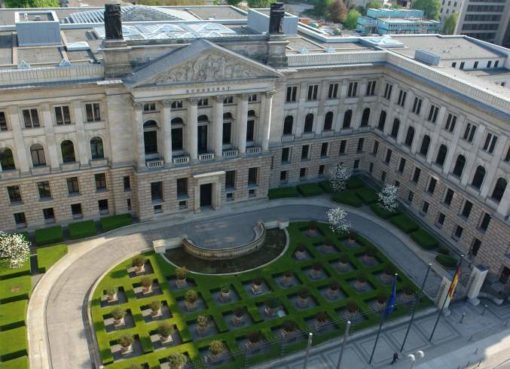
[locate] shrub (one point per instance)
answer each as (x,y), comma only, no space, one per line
(317,267)
(118,313)
(344,258)
(176,360)
(404,223)
(146,282)
(282,192)
(202,321)
(334,286)
(362,278)
(272,303)
(304,293)
(126,341)
(309,189)
(326,186)
(381,298)
(110,291)
(424,239)
(216,347)
(443,251)
(49,235)
(447,261)
(138,261)
(225,289)
(348,198)
(352,306)
(382,212)
(155,305)
(313,225)
(289,326)
(239,312)
(254,337)
(191,296)
(367,195)
(82,229)
(180,272)
(165,329)
(115,221)
(322,317)
(355,183)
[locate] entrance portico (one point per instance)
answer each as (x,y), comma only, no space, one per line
(207,189)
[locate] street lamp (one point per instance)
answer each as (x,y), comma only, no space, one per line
(416,356)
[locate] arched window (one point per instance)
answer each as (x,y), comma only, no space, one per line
(150,137)
(478,177)
(7,159)
(177,121)
(227,116)
(328,121)
(67,148)
(287,125)
(202,119)
(347,119)
(441,155)
(251,113)
(424,149)
(96,148)
(37,154)
(365,117)
(382,121)
(395,128)
(499,189)
(309,122)
(459,166)
(409,136)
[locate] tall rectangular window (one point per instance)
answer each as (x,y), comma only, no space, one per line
(182,187)
(49,215)
(157,191)
(285,155)
(76,211)
(253,176)
(387,159)
(127,183)
(361,143)
(475,247)
(177,104)
(450,123)
(14,194)
(417,105)
(440,219)
(402,165)
(433,112)
(490,143)
(230,179)
(149,107)
(3,122)
(387,91)
(353,89)
(333,91)
(31,118)
(343,146)
(20,220)
(93,112)
(375,148)
(371,88)
(291,94)
(62,115)
(305,152)
(312,92)
(432,185)
(100,179)
(44,190)
(469,133)
(402,98)
(484,223)
(466,209)
(448,197)
(457,234)
(416,175)
(72,186)
(324,150)
(103,207)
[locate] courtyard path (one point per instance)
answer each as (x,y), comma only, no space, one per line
(59,336)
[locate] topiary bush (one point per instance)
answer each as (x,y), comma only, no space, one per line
(404,223)
(424,239)
(115,221)
(82,229)
(382,212)
(326,186)
(367,195)
(49,235)
(447,261)
(282,192)
(348,198)
(309,189)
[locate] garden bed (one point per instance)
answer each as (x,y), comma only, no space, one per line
(404,223)
(347,198)
(282,192)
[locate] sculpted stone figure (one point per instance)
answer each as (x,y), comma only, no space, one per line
(112,22)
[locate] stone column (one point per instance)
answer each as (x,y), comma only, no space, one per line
(242,122)
(217,126)
(139,141)
(19,151)
(476,279)
(192,129)
(267,103)
(82,144)
(166,125)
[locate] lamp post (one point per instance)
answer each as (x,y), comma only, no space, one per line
(308,346)
(416,356)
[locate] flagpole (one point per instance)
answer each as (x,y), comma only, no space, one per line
(416,301)
(376,339)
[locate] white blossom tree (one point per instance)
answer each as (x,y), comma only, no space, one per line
(338,222)
(388,198)
(14,248)
(338,177)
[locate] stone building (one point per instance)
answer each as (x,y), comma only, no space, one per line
(200,107)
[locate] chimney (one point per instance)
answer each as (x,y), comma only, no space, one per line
(276,18)
(277,42)
(116,51)
(112,22)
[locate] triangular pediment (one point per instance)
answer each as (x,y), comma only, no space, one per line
(201,61)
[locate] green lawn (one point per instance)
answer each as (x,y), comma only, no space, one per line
(18,363)
(49,255)
(14,343)
(7,272)
(208,285)
(15,289)
(12,314)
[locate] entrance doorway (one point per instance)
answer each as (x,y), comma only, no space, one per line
(206,195)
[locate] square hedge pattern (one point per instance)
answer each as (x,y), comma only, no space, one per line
(255,305)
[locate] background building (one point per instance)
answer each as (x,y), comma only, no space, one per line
(393,21)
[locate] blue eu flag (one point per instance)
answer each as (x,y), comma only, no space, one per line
(390,305)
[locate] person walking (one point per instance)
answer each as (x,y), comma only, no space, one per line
(395,358)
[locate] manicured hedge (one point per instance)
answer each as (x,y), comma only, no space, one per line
(49,255)
(18,363)
(115,221)
(354,183)
(49,235)
(82,229)
(282,192)
(405,223)
(367,195)
(447,261)
(14,343)
(326,186)
(309,189)
(15,289)
(348,198)
(382,212)
(424,239)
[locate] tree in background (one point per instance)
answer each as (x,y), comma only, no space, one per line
(233,2)
(429,7)
(352,19)
(338,177)
(450,23)
(320,8)
(337,11)
(374,4)
(337,219)
(260,3)
(14,248)
(31,3)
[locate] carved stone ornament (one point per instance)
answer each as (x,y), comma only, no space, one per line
(210,67)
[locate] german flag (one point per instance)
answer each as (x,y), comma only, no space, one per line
(455,281)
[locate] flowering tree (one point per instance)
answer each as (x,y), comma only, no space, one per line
(14,248)
(388,198)
(338,222)
(339,176)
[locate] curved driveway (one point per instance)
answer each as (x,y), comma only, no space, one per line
(59,337)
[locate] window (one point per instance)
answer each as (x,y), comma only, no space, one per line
(416,175)
(370,167)
(466,209)
(96,148)
(454,64)
(395,128)
(387,158)
(62,115)
(76,211)
(228,100)
(322,169)
(343,146)
(93,112)
(417,105)
(448,197)
(100,179)
(253,98)
(409,136)
(312,92)
(387,91)
(227,134)
(499,190)
(457,234)
(356,164)
(67,148)
(450,123)
(284,176)
(252,176)
(469,133)
(484,223)
(230,179)
(287,125)
(433,112)
(250,130)
(425,207)
(158,209)
(72,186)
(305,150)
(496,63)
(475,247)
(382,121)
(103,206)
(308,123)
(375,148)
(365,117)
(37,154)
(14,194)
(44,190)
(507,156)
(332,90)
(157,191)
(49,215)
(3,122)
(489,63)
(353,89)
(324,150)
(478,177)
(425,143)
(149,107)
(285,155)
(302,173)
(328,121)
(383,176)
(183,204)
(182,187)
(402,98)
(462,65)
(410,196)
(31,118)
(203,102)
(20,220)
(432,186)
(459,166)
(475,65)
(177,104)
(361,143)
(127,183)
(490,143)
(441,155)
(371,88)
(291,94)
(440,219)
(402,165)
(347,119)
(177,134)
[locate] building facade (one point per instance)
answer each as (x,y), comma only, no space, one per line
(173,125)
(396,21)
